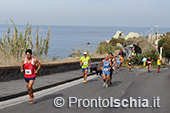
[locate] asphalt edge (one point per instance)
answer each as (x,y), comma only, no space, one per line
(12,96)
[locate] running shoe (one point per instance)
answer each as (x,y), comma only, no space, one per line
(85,81)
(104,84)
(31,100)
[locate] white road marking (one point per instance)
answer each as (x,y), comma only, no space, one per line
(39,94)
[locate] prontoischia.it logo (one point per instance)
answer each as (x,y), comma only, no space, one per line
(111,102)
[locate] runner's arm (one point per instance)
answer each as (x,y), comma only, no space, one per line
(115,62)
(110,65)
(89,62)
(22,66)
(151,61)
(39,66)
(81,62)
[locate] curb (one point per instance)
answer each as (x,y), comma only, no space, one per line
(12,96)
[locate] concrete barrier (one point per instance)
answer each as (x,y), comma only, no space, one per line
(8,73)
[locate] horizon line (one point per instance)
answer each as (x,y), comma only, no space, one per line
(85,25)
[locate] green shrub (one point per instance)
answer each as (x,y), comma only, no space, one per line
(165,42)
(138,58)
(105,47)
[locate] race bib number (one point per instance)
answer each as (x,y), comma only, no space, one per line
(28,71)
(129,63)
(106,69)
(85,63)
(149,62)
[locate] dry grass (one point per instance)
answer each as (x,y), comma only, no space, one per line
(12,47)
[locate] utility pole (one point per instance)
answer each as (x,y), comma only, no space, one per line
(161,53)
(157,31)
(151,35)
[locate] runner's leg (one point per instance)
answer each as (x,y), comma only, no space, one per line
(30,89)
(27,84)
(108,76)
(158,69)
(86,74)
(149,67)
(104,79)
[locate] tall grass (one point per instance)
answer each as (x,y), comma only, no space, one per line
(12,48)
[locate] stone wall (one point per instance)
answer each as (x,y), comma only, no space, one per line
(8,73)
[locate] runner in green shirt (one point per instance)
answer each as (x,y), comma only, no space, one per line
(85,62)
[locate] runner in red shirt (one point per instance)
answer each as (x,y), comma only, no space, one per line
(28,66)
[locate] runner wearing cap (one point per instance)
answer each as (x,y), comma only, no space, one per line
(28,66)
(85,63)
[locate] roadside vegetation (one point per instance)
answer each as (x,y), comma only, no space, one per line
(164,42)
(146,47)
(12,47)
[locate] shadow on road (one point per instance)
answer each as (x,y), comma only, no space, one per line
(47,97)
(115,83)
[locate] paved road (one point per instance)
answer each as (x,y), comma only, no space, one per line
(137,83)
(129,51)
(13,88)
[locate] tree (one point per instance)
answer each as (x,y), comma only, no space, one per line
(160,43)
(165,42)
(166,47)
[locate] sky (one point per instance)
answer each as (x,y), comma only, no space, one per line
(126,13)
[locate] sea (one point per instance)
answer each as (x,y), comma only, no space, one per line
(65,39)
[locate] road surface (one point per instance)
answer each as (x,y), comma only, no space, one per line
(136,84)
